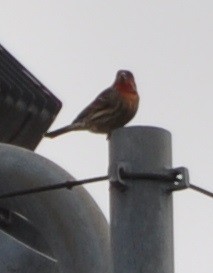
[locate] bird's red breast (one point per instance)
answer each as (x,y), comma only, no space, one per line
(126,86)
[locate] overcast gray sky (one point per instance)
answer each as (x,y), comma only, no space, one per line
(75,49)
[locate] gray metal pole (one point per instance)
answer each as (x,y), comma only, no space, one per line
(141,210)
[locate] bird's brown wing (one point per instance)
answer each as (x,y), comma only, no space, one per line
(98,107)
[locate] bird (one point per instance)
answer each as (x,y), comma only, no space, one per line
(112,108)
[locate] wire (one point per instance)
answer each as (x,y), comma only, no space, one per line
(67,184)
(196,188)
(71,184)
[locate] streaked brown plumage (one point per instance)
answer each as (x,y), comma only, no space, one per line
(113,108)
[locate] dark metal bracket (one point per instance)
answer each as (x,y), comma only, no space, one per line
(179,177)
(181,181)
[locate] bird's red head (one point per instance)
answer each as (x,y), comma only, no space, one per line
(125,82)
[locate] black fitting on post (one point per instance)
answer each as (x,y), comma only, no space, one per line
(178,177)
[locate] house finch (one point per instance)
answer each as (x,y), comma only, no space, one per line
(113,108)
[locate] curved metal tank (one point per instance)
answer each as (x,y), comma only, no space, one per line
(57,231)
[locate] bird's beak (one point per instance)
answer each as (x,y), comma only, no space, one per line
(123,76)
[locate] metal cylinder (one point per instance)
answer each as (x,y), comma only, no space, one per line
(141,210)
(57,231)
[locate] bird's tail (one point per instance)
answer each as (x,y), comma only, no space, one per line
(63,130)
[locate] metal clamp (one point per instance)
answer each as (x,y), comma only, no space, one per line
(182,179)
(178,176)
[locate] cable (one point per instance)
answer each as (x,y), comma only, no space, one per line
(71,184)
(196,188)
(67,184)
